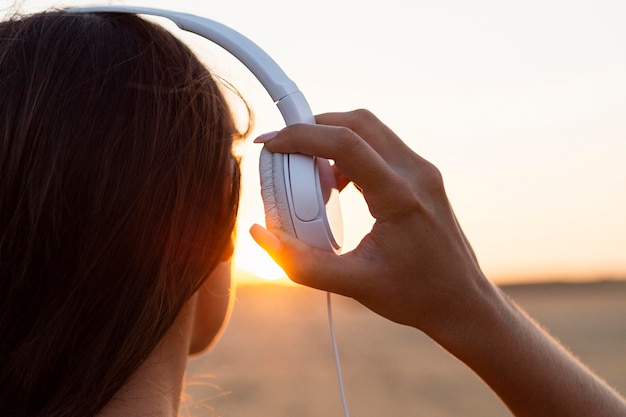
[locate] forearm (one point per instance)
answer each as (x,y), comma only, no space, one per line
(530,371)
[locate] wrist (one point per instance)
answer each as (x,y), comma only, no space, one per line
(471,317)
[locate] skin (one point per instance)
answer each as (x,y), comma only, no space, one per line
(417,268)
(155,389)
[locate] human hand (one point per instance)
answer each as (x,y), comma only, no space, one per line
(415,266)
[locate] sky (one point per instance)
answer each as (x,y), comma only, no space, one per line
(522,106)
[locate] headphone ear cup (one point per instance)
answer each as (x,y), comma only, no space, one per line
(274,192)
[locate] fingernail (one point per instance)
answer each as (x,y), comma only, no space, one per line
(266,137)
(266,239)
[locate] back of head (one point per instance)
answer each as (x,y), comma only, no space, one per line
(119,194)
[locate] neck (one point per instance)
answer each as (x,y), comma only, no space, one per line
(155,389)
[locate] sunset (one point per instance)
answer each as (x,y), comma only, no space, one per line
(526,126)
(522,108)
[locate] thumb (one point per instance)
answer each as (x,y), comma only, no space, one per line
(302,263)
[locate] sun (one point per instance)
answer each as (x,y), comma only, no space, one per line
(251,265)
(256,265)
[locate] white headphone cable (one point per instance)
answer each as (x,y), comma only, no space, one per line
(336,352)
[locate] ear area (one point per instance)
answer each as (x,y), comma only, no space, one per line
(274,192)
(211,308)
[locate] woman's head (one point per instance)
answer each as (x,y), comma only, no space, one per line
(119,196)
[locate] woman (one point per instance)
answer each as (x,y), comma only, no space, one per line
(119,197)
(119,194)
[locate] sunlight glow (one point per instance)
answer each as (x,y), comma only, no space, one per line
(250,258)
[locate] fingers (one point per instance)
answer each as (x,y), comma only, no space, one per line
(304,264)
(340,178)
(353,157)
(374,132)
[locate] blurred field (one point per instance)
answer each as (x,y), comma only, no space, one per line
(276,360)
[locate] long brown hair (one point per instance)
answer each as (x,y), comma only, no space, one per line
(118,194)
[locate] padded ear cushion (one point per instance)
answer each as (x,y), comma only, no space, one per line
(274,191)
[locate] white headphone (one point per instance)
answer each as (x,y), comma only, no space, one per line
(299,192)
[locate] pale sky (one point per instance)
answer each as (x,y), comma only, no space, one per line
(522,105)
